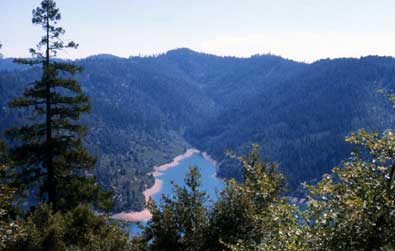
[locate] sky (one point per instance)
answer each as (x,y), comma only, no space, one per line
(303,30)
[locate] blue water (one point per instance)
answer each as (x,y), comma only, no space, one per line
(210,183)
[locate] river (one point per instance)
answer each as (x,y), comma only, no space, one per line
(175,173)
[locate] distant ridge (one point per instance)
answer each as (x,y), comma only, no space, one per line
(7,63)
(102,56)
(146,110)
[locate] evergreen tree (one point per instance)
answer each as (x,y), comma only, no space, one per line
(180,221)
(250,215)
(49,150)
(48,154)
(77,229)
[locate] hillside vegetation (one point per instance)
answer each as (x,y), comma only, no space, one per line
(146,110)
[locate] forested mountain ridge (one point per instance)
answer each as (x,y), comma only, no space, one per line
(146,110)
(301,122)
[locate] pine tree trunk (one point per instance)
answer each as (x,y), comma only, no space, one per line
(49,161)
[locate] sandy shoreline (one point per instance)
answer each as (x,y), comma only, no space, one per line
(176,161)
(145,214)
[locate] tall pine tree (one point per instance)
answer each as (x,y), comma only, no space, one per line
(49,150)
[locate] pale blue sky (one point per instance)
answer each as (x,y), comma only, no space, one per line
(304,30)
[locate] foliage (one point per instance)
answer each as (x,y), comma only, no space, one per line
(78,229)
(180,221)
(49,151)
(145,111)
(118,132)
(11,228)
(49,155)
(247,216)
(252,215)
(354,207)
(351,209)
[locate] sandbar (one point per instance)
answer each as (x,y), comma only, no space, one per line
(145,214)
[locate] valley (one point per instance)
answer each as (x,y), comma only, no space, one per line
(147,110)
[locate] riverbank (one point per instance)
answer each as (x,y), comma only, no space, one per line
(145,214)
(176,161)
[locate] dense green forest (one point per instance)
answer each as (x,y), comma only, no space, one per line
(81,138)
(146,110)
(350,209)
(49,197)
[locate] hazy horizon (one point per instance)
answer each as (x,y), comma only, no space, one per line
(303,30)
(213,54)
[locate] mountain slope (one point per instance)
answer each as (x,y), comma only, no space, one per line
(302,121)
(146,110)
